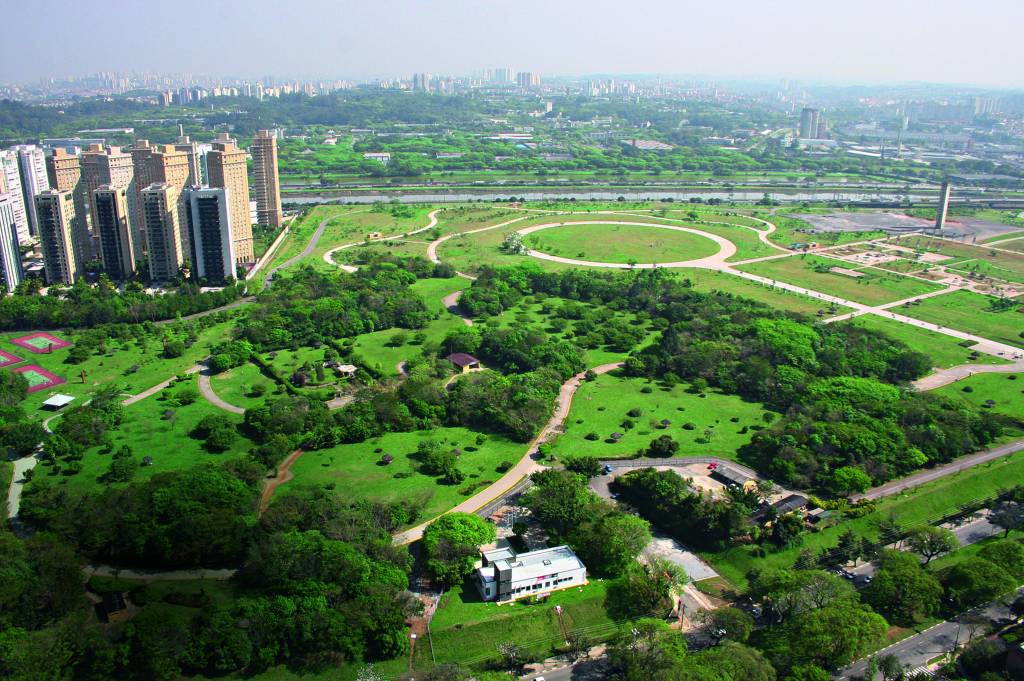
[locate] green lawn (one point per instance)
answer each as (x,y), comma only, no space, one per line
(148,432)
(621,243)
(874,287)
(710,280)
(355,467)
(601,406)
(1007,392)
(968,311)
(945,351)
(919,506)
(234,386)
(130,366)
(465,629)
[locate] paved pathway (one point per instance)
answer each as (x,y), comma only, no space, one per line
(329,255)
(526,466)
(308,250)
(941,377)
(223,308)
(433,246)
(206,388)
(451,303)
(164,576)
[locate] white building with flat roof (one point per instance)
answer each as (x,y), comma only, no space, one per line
(506,576)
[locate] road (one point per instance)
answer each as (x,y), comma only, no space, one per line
(206,389)
(526,465)
(308,250)
(329,255)
(451,303)
(942,638)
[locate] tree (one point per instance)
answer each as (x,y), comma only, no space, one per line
(1008,515)
(646,589)
(452,543)
(559,500)
(974,581)
(645,650)
(1008,555)
(727,624)
(835,635)
(173,348)
(891,667)
(902,590)
(786,529)
(663,446)
(589,466)
(849,480)
(610,544)
(122,466)
(928,541)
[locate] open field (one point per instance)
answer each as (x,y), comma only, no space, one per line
(710,280)
(945,351)
(148,431)
(600,407)
(356,467)
(465,629)
(919,506)
(234,386)
(971,258)
(874,287)
(1005,390)
(621,243)
(787,233)
(970,312)
(131,366)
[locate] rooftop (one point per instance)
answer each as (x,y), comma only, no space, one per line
(461,359)
(540,563)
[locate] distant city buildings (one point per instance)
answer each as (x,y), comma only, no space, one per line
(813,125)
(528,80)
(266,184)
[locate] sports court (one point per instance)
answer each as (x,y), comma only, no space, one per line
(38,378)
(7,359)
(40,342)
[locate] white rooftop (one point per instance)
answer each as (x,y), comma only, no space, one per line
(540,563)
(59,400)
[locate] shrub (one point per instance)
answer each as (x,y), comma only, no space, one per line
(592,436)
(689,426)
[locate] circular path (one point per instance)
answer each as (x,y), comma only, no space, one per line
(726,248)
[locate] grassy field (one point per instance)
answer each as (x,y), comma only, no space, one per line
(710,280)
(465,629)
(149,432)
(1006,392)
(234,386)
(600,407)
(786,231)
(303,228)
(355,467)
(131,366)
(971,259)
(915,507)
(944,350)
(621,243)
(967,311)
(874,287)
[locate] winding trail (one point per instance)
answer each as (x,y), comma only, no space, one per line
(329,255)
(310,247)
(433,246)
(526,466)
(284,474)
(206,388)
(451,303)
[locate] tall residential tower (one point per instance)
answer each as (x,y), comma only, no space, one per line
(266,184)
(56,213)
(227,169)
(117,250)
(213,257)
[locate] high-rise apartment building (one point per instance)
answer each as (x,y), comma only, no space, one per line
(159,209)
(213,257)
(64,170)
(163,164)
(10,187)
(813,125)
(56,213)
(32,165)
(195,161)
(227,169)
(528,80)
(10,255)
(421,82)
(113,228)
(266,184)
(503,75)
(111,166)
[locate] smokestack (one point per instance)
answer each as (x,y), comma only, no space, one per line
(181,130)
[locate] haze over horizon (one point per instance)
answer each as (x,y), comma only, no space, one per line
(875,42)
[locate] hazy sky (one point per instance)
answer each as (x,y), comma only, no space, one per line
(865,40)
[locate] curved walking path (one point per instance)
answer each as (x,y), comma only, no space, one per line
(726,248)
(433,246)
(451,303)
(206,389)
(308,250)
(941,377)
(526,466)
(329,255)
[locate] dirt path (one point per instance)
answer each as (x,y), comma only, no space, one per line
(941,377)
(526,465)
(218,575)
(284,474)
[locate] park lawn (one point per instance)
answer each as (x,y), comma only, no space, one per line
(303,228)
(600,407)
(234,386)
(969,311)
(357,225)
(874,287)
(114,367)
(945,351)
(1016,244)
(992,270)
(465,629)
(712,280)
(1007,392)
(287,361)
(919,506)
(786,233)
(621,243)
(355,469)
(146,431)
(376,349)
(433,290)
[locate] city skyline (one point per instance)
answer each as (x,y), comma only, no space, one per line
(357,41)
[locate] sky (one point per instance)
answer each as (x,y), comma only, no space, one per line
(867,41)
